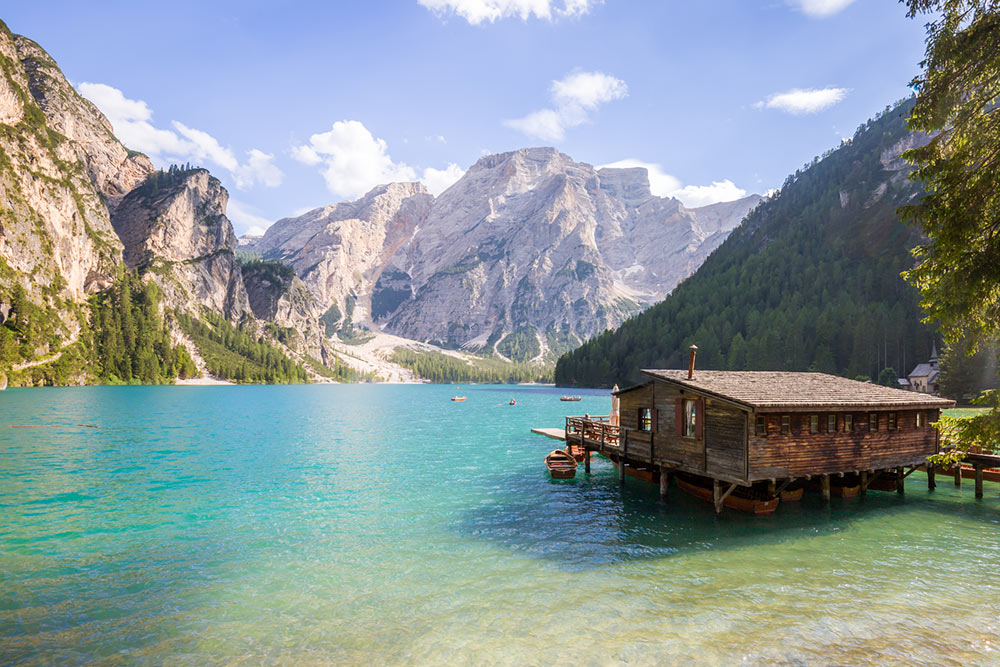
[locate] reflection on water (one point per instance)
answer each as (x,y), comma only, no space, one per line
(387,524)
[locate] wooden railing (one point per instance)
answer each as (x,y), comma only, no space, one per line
(596,431)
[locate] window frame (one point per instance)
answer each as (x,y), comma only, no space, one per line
(690,412)
(813,424)
(893,424)
(786,424)
(921,419)
(760,427)
(831,421)
(645,420)
(848,422)
(873,422)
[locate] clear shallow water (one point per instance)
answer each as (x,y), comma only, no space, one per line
(359,524)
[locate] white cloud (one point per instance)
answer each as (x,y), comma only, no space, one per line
(478,11)
(802,101)
(820,8)
(353,160)
(663,184)
(244,218)
(438,180)
(694,196)
(573,96)
(132,124)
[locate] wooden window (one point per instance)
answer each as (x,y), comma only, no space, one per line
(814,423)
(831,423)
(872,421)
(762,426)
(690,418)
(892,421)
(645,419)
(921,419)
(786,424)
(848,423)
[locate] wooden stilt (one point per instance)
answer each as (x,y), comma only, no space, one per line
(825,486)
(931,484)
(717,495)
(664,481)
(586,461)
(864,482)
(900,485)
(621,471)
(771,489)
(979,479)
(958,474)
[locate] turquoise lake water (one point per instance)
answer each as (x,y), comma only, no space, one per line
(387,524)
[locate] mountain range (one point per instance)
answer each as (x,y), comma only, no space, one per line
(529,254)
(104,256)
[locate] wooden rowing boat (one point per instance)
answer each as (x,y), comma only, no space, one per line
(845,491)
(740,499)
(569,398)
(458,398)
(560,464)
(792,495)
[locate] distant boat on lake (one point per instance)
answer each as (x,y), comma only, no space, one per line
(458,398)
(569,398)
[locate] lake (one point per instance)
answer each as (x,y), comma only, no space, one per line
(387,524)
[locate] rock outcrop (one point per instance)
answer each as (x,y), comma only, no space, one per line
(56,239)
(277,295)
(174,227)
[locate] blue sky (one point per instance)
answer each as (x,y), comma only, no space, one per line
(295,105)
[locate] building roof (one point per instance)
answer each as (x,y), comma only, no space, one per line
(772,390)
(922,371)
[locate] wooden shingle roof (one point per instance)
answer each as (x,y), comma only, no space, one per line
(785,390)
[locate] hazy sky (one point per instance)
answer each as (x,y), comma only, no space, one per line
(295,105)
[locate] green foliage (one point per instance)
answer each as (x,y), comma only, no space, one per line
(889,378)
(520,345)
(265,270)
(330,319)
(978,433)
(129,340)
(966,369)
(235,353)
(957,272)
(443,368)
(339,372)
(809,281)
(161,181)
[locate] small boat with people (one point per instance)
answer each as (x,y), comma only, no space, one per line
(569,398)
(512,402)
(458,398)
(561,464)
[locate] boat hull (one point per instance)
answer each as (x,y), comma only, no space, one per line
(749,505)
(560,464)
(793,495)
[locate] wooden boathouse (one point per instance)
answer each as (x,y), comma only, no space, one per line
(759,432)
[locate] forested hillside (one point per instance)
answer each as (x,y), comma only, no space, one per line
(810,280)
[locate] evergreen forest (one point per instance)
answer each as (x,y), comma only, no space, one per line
(810,280)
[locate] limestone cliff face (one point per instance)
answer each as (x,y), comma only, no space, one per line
(339,250)
(56,239)
(174,227)
(113,169)
(282,298)
(529,243)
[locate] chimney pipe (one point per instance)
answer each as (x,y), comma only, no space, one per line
(694,351)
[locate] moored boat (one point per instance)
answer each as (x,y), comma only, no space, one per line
(740,499)
(458,398)
(569,398)
(560,464)
(792,495)
(845,491)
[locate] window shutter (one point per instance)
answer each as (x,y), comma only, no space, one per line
(654,418)
(679,416)
(699,418)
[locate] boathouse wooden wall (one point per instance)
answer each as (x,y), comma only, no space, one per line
(799,452)
(720,452)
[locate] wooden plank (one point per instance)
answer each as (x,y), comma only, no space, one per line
(554,433)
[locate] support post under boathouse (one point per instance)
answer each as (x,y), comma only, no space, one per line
(749,439)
